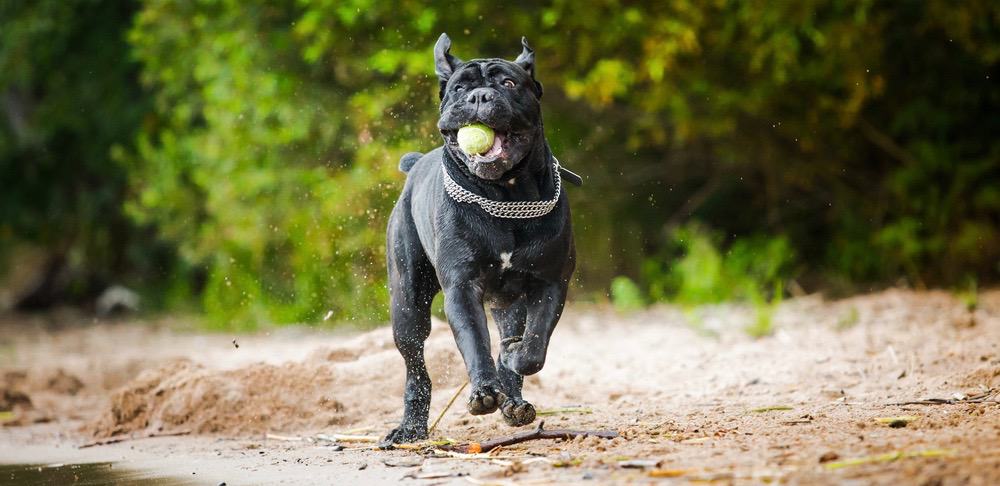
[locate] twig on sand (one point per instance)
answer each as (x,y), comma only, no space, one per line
(889,457)
(440,452)
(561,410)
(773,408)
(419,446)
(987,396)
(539,433)
(347,438)
(490,456)
(446,407)
(285,438)
(123,438)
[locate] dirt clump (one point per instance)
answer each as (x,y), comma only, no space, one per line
(58,381)
(186,397)
(342,383)
(12,394)
(39,395)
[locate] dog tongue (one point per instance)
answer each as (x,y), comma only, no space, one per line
(495,149)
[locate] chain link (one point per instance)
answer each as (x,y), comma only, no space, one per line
(505,209)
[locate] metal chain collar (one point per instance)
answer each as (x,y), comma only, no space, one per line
(505,209)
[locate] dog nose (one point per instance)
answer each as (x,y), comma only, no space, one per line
(480,95)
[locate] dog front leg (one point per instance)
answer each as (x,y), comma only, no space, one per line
(545,306)
(516,410)
(463,304)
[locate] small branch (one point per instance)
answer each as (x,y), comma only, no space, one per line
(942,401)
(556,411)
(988,396)
(120,438)
(884,142)
(539,433)
(347,438)
(285,438)
(446,407)
(773,408)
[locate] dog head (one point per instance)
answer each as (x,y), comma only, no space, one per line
(501,94)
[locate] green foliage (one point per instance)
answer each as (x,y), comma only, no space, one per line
(763,323)
(695,270)
(849,319)
(61,116)
(269,170)
(949,223)
(969,296)
(626,295)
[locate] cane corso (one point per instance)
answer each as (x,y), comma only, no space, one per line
(490,229)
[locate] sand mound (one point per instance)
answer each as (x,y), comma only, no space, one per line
(12,394)
(361,377)
(38,395)
(183,396)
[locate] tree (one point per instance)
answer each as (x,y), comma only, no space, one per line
(69,98)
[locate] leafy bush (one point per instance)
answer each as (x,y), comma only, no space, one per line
(68,100)
(626,295)
(697,270)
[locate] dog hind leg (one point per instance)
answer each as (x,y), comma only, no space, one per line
(412,287)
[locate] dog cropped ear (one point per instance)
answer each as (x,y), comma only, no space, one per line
(527,61)
(444,62)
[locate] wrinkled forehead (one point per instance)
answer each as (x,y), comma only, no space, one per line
(478,69)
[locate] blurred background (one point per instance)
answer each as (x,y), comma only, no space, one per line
(237,159)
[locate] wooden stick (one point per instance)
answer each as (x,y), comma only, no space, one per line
(942,401)
(123,438)
(539,433)
(446,407)
(286,438)
(347,438)
(555,411)
(988,396)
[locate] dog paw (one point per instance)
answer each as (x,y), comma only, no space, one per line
(517,412)
(403,434)
(485,399)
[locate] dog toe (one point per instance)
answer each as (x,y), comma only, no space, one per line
(485,400)
(405,433)
(517,412)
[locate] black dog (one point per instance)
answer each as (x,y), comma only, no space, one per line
(486,229)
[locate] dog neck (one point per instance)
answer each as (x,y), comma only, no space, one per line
(530,180)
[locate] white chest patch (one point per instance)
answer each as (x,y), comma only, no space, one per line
(505,260)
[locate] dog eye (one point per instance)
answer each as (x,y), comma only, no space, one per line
(509,83)
(459,88)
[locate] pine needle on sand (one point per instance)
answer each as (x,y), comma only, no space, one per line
(889,457)
(446,407)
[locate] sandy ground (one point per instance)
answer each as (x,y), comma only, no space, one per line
(693,398)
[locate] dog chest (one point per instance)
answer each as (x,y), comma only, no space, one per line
(505,260)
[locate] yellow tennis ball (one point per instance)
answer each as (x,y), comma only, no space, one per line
(475,139)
